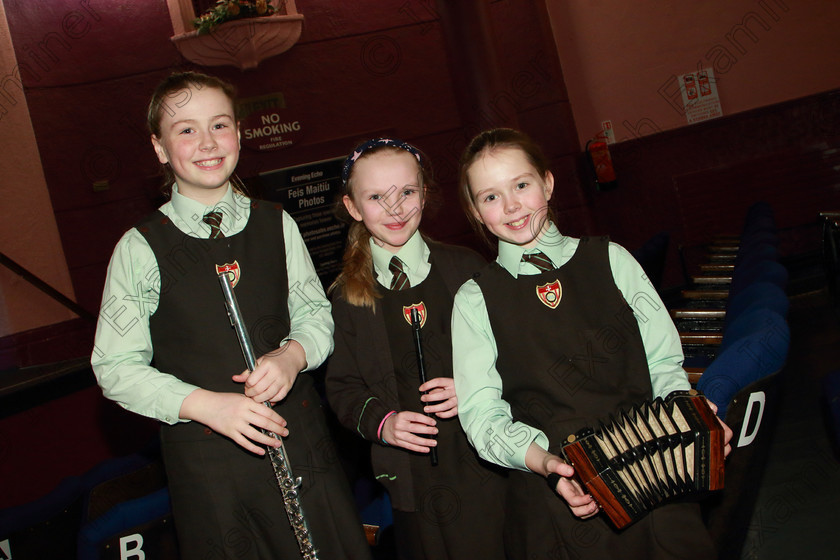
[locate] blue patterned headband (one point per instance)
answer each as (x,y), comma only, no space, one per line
(375,143)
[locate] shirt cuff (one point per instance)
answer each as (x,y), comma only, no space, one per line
(665,383)
(510,451)
(169,407)
(538,437)
(310,349)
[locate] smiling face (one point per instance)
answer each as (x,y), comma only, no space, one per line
(509,196)
(199,139)
(387,194)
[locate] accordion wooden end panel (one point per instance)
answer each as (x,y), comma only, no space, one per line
(596,485)
(654,453)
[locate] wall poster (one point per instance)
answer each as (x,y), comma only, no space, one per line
(308,193)
(700,96)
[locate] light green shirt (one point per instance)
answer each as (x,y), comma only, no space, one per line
(485,416)
(414,255)
(123,345)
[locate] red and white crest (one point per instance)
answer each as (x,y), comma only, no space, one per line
(550,294)
(421,309)
(232,271)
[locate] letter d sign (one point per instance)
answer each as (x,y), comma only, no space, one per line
(756,398)
(132,547)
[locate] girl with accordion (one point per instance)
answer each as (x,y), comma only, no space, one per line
(545,343)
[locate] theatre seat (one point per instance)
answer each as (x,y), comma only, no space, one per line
(752,416)
(120,479)
(374,506)
(138,528)
(763,271)
(752,280)
(762,294)
(760,352)
(126,509)
(45,528)
(748,323)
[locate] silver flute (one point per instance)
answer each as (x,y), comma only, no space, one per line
(289,485)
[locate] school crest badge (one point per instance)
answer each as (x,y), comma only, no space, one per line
(421,309)
(232,271)
(550,294)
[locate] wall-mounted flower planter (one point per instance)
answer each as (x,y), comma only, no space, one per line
(243,43)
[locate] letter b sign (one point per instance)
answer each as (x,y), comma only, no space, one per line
(131,547)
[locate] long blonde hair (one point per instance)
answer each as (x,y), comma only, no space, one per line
(357,282)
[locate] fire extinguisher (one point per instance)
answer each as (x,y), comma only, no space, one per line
(600,163)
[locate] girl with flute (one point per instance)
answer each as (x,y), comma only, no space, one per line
(165,348)
(545,343)
(451,509)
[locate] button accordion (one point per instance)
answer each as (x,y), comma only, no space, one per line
(654,453)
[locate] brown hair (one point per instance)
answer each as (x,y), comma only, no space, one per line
(486,142)
(168,89)
(356,281)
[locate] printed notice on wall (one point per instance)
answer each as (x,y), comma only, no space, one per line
(266,123)
(700,96)
(308,193)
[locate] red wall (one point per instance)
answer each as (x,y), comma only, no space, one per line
(360,69)
(621,59)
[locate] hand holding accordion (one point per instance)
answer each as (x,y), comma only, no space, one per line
(648,455)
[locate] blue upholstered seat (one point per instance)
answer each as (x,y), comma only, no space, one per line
(43,528)
(763,271)
(144,521)
(760,351)
(757,295)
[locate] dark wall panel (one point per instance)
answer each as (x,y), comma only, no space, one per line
(699,180)
(64,42)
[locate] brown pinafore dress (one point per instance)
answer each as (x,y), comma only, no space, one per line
(570,354)
(458,505)
(226,502)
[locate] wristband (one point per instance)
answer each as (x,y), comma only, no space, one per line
(381,424)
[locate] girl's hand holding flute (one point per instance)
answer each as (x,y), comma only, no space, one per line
(235,416)
(274,374)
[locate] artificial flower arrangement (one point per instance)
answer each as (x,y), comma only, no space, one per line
(228,10)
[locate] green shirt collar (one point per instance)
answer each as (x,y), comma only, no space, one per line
(414,255)
(190,212)
(551,243)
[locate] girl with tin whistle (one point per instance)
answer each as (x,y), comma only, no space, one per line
(452,509)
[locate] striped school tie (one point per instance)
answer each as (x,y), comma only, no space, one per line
(399,279)
(214,220)
(539,260)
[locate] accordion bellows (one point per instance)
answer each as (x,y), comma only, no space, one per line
(654,453)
